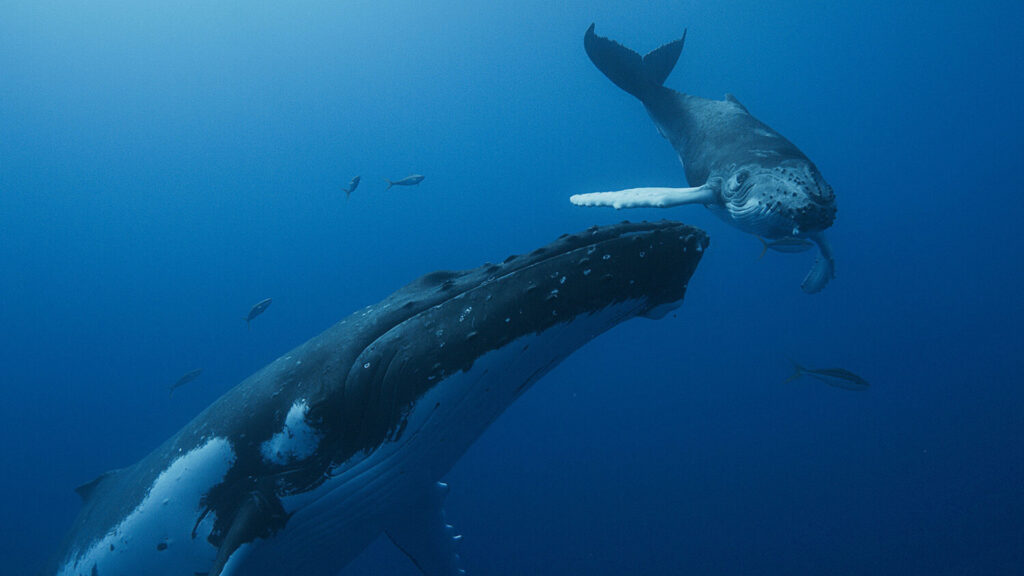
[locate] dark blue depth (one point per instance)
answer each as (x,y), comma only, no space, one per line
(165,166)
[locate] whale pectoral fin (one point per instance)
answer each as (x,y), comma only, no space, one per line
(422,534)
(822,271)
(824,268)
(647,197)
(259,516)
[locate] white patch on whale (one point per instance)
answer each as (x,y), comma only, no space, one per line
(297,441)
(164,520)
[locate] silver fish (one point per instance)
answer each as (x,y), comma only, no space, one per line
(256,310)
(352,185)
(786,245)
(185,379)
(410,180)
(837,377)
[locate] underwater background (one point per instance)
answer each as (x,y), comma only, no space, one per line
(166,165)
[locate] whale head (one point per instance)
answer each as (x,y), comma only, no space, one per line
(790,198)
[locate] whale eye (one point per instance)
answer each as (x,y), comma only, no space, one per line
(738,180)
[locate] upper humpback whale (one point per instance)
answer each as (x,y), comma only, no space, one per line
(742,170)
(300,466)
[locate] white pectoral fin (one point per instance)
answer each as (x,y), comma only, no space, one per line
(824,268)
(647,197)
(422,534)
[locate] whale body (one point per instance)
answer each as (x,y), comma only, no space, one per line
(741,169)
(299,467)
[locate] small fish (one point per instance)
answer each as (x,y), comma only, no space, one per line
(352,185)
(185,380)
(838,377)
(256,310)
(787,245)
(407,181)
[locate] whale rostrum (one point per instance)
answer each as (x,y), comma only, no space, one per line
(299,467)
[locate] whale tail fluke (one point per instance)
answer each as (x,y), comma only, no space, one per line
(628,70)
(390,184)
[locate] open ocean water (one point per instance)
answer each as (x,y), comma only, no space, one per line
(165,165)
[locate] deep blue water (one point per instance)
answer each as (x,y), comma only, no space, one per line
(164,165)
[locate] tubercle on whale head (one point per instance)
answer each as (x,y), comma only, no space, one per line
(816,207)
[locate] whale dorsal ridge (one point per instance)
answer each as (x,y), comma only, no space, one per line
(732,99)
(85,491)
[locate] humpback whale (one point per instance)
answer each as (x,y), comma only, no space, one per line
(741,169)
(303,464)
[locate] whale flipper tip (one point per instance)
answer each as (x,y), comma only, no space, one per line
(824,269)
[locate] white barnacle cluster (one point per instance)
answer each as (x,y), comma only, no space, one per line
(296,441)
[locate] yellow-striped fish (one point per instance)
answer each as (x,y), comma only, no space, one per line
(786,245)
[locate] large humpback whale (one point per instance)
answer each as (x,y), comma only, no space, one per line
(742,170)
(299,467)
